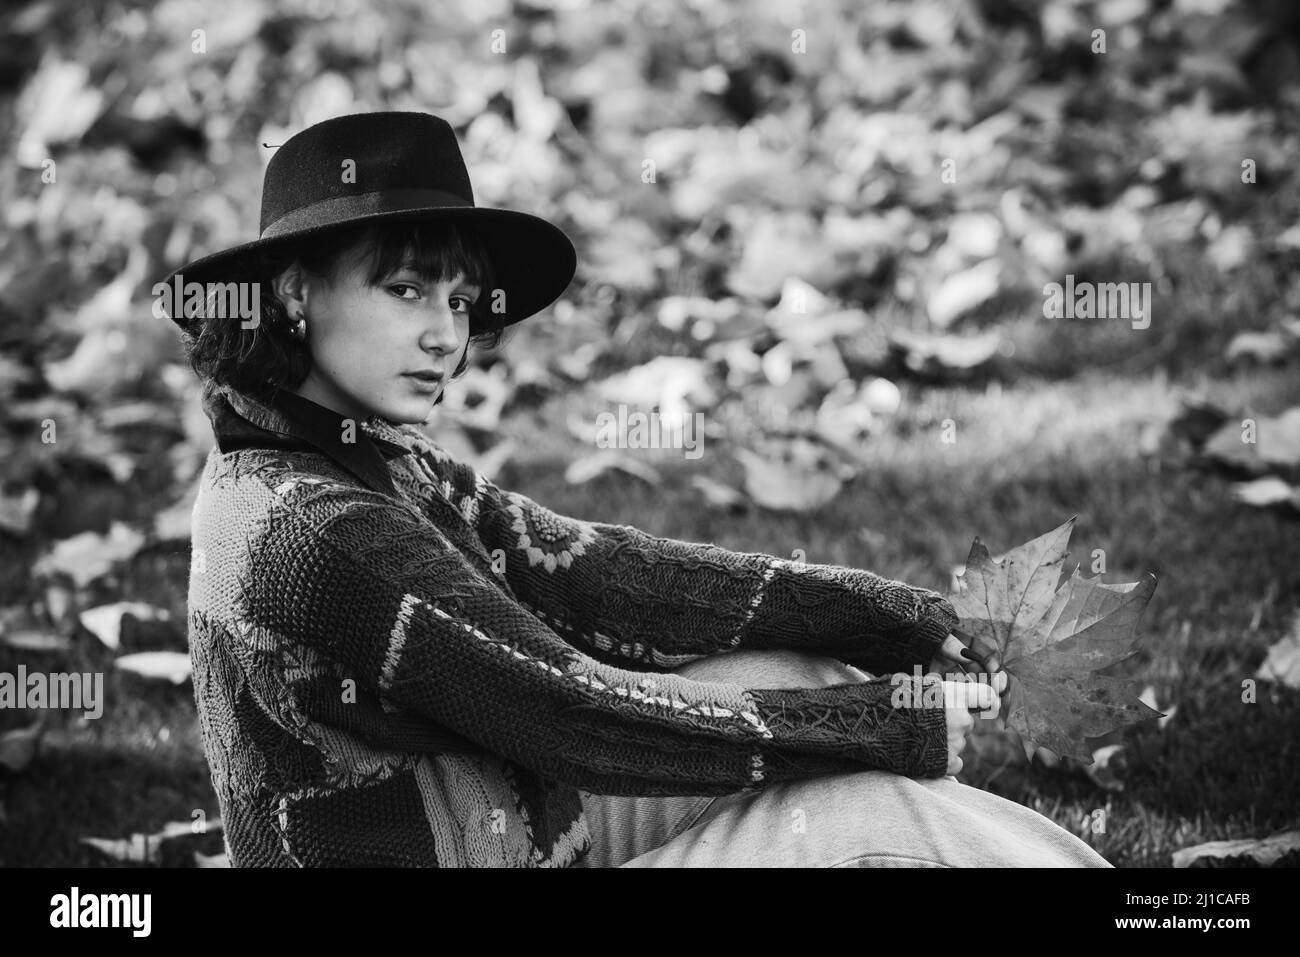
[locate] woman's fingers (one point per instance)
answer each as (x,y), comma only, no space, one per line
(969,695)
(988,660)
(957,695)
(962,655)
(961,699)
(952,649)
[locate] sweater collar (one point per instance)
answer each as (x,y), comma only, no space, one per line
(290,422)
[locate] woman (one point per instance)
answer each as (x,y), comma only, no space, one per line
(397,662)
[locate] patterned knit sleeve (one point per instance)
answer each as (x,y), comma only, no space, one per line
(378,589)
(656,603)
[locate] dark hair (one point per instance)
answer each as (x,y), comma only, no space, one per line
(261,360)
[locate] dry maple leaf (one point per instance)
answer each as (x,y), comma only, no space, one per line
(1054,642)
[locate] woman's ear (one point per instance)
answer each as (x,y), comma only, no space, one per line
(289,287)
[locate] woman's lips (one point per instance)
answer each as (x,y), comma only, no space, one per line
(426,381)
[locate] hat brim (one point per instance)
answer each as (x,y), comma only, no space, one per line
(533,260)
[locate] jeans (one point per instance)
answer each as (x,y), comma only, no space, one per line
(862,819)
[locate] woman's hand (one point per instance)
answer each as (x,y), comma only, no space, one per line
(959,699)
(954,655)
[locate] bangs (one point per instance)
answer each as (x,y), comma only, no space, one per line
(435,250)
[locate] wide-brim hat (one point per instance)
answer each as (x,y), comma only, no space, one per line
(391,166)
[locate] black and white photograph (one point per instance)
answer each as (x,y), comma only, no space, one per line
(693,434)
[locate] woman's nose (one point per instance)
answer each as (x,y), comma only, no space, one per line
(440,331)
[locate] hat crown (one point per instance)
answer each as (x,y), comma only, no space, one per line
(364,153)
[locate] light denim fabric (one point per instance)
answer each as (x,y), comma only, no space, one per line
(863,819)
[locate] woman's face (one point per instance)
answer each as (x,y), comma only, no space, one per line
(367,342)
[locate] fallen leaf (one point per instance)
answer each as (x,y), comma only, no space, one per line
(35,639)
(799,304)
(1203,141)
(1226,446)
(933,355)
(962,292)
(1263,492)
(975,235)
(1283,661)
(58,603)
(623,258)
(576,365)
(809,330)
(89,555)
(1279,438)
(1230,249)
(1260,346)
(16,511)
(1276,442)
(479,399)
(1054,642)
(125,415)
(58,104)
(105,621)
(687,313)
(173,666)
(121,342)
(795,483)
(529,372)
(672,385)
(1106,767)
(718,495)
(1148,698)
(598,463)
(845,420)
(1266,852)
(137,849)
(776,246)
(174,523)
(777,363)
(881,396)
(141,848)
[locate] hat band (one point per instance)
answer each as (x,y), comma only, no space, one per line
(340,209)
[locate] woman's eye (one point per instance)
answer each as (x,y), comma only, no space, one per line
(465,300)
(401,287)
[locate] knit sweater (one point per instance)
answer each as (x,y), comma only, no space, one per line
(397,662)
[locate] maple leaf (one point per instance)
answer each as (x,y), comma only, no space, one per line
(1054,642)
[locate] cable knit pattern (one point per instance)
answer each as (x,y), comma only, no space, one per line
(427,679)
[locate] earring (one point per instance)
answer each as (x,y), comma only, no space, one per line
(299,328)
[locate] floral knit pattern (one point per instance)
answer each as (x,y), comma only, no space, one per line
(545,537)
(430,679)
